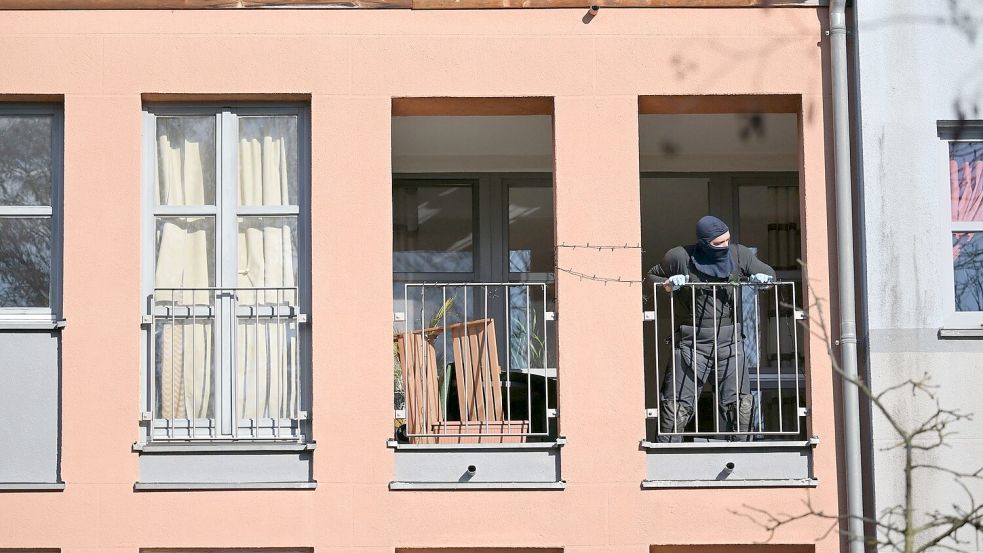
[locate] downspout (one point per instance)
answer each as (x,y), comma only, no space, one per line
(847,299)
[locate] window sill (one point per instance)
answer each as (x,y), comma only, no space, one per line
(220,447)
(437,486)
(777,483)
(763,444)
(32,486)
(207,486)
(30,323)
(965,332)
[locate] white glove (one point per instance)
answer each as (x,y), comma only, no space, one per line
(761,278)
(675,281)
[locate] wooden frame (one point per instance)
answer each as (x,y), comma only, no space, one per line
(398,4)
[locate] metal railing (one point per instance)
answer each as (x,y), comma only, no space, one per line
(472,363)
(733,358)
(225,364)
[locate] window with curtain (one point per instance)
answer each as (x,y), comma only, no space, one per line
(227,301)
(30,153)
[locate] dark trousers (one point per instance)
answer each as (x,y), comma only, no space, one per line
(695,363)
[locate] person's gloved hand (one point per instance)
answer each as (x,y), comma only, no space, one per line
(761,278)
(675,281)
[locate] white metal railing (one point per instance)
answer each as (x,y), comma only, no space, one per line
(746,376)
(472,363)
(225,364)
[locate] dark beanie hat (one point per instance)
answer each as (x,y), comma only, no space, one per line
(710,260)
(709,227)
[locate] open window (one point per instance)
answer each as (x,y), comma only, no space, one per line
(473,279)
(724,356)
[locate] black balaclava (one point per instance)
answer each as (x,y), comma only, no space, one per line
(716,262)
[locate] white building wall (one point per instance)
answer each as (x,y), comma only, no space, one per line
(918,61)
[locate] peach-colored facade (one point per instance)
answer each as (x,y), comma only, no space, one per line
(352,63)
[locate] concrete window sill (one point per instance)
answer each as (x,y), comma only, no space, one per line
(207,486)
(32,486)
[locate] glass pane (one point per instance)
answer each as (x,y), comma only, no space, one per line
(186,160)
(433,229)
(268,258)
(25,160)
(769,223)
(185,363)
(967,264)
(530,229)
(185,254)
(268,160)
(966,180)
(530,335)
(25,261)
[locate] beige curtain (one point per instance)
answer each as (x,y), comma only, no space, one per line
(266,371)
(185,246)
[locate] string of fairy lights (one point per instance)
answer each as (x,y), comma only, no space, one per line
(593,277)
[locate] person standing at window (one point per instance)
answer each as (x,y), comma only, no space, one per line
(705,338)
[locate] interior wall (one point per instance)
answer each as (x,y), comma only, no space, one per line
(524,143)
(493,144)
(719,142)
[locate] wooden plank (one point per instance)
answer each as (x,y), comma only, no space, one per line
(500,4)
(532,105)
(237,97)
(117,4)
(418,362)
(766,103)
(399,4)
(736,548)
(476,368)
(391,4)
(510,432)
(33,98)
(479,550)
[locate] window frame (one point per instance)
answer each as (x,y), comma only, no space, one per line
(226,213)
(950,131)
(49,317)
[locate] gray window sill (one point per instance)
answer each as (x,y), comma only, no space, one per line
(960,332)
(221,447)
(439,486)
(15,323)
(32,486)
(206,486)
(769,445)
(782,483)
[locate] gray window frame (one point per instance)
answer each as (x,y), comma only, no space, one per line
(490,200)
(226,213)
(50,317)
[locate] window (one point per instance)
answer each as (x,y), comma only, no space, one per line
(965,149)
(30,190)
(226,282)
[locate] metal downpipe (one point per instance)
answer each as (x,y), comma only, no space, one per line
(847,299)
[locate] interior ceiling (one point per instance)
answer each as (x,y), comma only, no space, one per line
(676,142)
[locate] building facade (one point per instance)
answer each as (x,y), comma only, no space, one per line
(371,280)
(919,143)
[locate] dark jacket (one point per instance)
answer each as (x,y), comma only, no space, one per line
(679,261)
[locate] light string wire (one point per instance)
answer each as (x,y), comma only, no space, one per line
(594,277)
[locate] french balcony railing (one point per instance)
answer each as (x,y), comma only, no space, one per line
(225,364)
(750,372)
(473,363)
